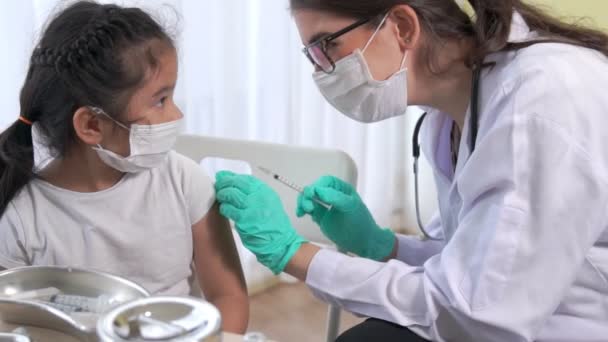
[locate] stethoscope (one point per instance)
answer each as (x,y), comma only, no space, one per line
(473,128)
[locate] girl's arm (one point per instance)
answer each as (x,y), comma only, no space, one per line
(219,270)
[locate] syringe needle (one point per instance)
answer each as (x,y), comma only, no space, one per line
(291,185)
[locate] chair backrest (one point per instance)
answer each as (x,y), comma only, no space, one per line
(302,165)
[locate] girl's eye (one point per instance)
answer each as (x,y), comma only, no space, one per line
(161,102)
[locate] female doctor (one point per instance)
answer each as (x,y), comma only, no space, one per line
(516,132)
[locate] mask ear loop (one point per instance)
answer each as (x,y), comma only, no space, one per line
(404,59)
(100,111)
(371,39)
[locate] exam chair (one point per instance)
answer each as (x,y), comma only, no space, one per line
(302,165)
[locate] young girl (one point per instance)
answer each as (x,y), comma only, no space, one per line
(99,90)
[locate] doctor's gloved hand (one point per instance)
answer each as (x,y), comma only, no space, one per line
(348,223)
(259,218)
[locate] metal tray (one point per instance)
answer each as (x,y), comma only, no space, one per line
(68,280)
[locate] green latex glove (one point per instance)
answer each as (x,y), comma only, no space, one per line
(348,223)
(260,219)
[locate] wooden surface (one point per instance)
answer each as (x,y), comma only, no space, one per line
(291,313)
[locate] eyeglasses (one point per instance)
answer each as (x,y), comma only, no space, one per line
(317,51)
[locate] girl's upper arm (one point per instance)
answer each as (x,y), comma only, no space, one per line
(216,257)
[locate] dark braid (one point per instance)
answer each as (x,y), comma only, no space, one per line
(89,55)
(89,44)
(44,57)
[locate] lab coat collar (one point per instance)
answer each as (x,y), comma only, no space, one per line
(520,31)
(435,120)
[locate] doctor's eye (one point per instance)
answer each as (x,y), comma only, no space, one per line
(331,45)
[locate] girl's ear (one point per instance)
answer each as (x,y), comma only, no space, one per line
(87,126)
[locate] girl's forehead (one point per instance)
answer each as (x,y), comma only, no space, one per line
(159,82)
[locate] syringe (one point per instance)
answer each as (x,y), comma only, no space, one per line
(291,185)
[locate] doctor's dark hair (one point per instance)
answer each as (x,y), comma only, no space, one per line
(444,20)
(89,55)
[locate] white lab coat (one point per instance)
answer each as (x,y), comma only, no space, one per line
(524,217)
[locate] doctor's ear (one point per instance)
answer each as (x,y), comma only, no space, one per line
(88,126)
(407,26)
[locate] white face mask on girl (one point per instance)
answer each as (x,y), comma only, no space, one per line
(353,91)
(149,145)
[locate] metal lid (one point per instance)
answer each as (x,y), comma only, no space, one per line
(160,319)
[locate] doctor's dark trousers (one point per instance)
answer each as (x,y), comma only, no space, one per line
(377,330)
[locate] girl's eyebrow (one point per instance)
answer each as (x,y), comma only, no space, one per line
(164,90)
